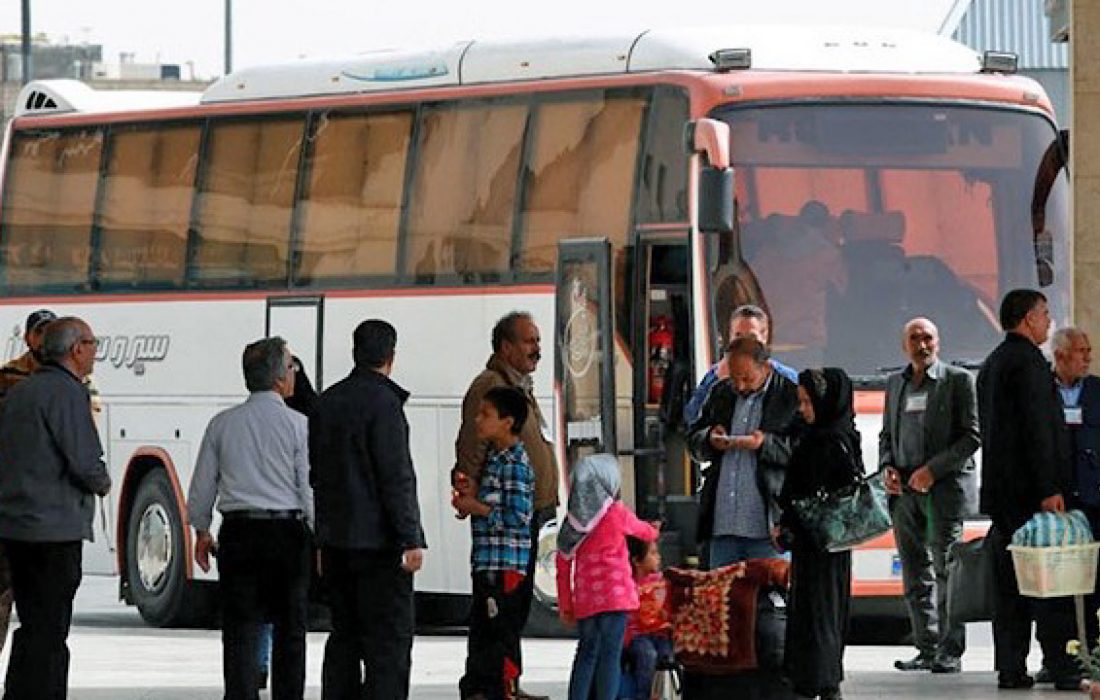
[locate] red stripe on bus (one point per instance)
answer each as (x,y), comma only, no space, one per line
(100,298)
(873,402)
(876,589)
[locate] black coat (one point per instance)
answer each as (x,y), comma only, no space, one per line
(1085,445)
(1025,444)
(777,420)
(364,485)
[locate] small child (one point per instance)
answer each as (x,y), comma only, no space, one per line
(648,631)
(595,586)
(500,520)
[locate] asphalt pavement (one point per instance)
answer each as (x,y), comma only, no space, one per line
(115,656)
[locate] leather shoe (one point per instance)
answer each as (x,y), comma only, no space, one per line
(1044,675)
(1014,681)
(947,664)
(920,662)
(1068,683)
(522,694)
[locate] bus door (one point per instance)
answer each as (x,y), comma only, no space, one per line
(300,321)
(584,349)
(662,382)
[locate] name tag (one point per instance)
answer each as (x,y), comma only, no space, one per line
(916,403)
(1074,415)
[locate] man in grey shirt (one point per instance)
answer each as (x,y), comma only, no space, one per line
(254,459)
(926,447)
(51,468)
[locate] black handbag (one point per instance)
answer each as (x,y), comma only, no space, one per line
(971,587)
(846,518)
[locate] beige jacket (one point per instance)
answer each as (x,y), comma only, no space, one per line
(470,452)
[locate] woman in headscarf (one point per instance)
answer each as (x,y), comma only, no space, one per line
(595,579)
(827,457)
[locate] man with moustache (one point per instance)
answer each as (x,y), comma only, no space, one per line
(516,354)
(743,432)
(1025,469)
(926,449)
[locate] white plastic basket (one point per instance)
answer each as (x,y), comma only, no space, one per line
(1051,572)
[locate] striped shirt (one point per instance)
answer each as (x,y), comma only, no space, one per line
(502,539)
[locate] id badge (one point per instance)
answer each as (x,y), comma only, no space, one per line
(916,403)
(1074,415)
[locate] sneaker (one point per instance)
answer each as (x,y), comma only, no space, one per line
(920,662)
(1014,681)
(947,664)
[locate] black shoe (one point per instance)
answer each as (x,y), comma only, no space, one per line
(920,662)
(1068,683)
(1044,676)
(947,664)
(832,694)
(263,680)
(1014,681)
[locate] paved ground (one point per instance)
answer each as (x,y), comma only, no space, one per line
(116,657)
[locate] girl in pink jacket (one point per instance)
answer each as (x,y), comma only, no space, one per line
(595,580)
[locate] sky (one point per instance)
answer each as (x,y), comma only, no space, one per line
(190,32)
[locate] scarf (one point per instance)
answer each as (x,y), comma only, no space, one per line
(593,486)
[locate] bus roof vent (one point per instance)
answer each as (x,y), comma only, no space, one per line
(40,97)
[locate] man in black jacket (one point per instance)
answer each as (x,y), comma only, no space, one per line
(743,432)
(368,523)
(51,469)
(1025,469)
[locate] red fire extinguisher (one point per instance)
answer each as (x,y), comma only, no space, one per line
(660,355)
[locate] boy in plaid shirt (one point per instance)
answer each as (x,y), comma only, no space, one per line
(500,507)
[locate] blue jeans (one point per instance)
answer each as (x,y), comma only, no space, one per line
(645,650)
(599,651)
(730,549)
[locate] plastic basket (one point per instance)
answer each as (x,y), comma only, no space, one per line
(1051,572)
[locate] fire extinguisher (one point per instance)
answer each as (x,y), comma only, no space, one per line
(660,356)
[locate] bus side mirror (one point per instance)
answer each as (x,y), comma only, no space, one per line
(716,200)
(711,138)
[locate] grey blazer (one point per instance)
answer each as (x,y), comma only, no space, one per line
(951,435)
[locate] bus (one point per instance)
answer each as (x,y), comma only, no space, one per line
(628,189)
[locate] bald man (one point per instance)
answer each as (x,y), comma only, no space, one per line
(926,447)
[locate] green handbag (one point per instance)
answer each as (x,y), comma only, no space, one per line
(846,518)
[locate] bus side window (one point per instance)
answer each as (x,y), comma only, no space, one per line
(463,191)
(51,189)
(351,208)
(245,205)
(146,206)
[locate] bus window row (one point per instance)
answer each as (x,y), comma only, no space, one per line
(459,192)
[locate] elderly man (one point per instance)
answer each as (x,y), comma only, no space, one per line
(51,467)
(1026,468)
(926,448)
(743,431)
(516,354)
(746,321)
(254,459)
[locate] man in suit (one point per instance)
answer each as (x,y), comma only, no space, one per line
(1080,394)
(743,431)
(926,448)
(1025,469)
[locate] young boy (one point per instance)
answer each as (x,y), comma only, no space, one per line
(500,507)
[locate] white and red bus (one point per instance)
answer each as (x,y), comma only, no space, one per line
(845,179)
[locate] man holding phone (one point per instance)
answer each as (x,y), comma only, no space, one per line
(743,432)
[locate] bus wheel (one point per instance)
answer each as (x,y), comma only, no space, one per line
(156,558)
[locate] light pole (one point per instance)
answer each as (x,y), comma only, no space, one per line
(228,36)
(26,45)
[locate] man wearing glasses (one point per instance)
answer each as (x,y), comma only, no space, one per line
(254,462)
(51,464)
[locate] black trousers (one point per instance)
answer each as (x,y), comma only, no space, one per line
(45,576)
(492,646)
(526,591)
(369,653)
(1014,613)
(263,566)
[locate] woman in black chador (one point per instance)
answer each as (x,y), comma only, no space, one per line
(827,457)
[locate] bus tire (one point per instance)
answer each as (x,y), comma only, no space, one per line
(156,559)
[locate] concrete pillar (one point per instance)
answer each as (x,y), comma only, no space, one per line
(1085,163)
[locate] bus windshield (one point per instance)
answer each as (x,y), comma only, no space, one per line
(854,218)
